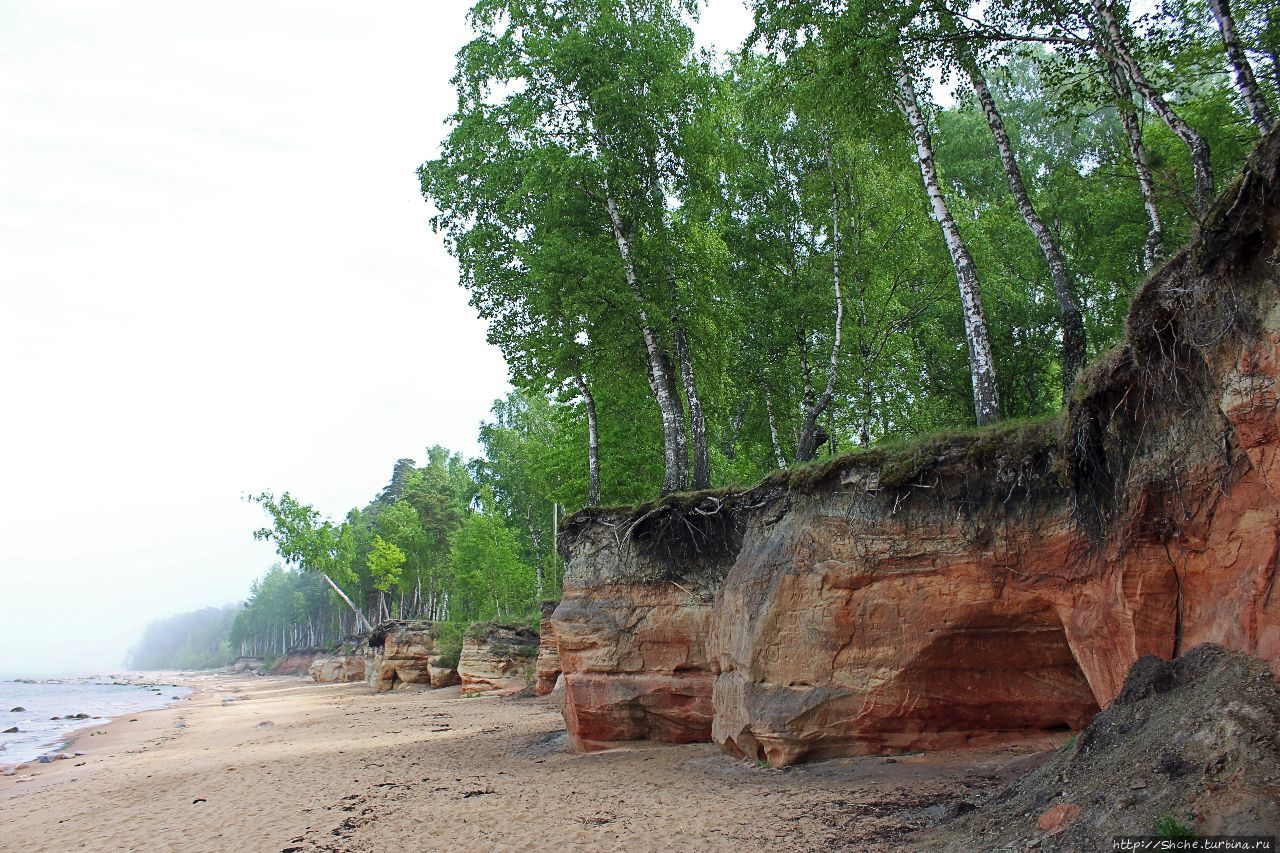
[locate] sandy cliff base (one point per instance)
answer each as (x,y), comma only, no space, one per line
(342,769)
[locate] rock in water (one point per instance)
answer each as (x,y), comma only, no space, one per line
(1202,732)
(11,731)
(17,710)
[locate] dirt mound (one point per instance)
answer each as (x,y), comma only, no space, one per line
(1190,744)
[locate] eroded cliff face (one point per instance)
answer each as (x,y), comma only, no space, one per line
(971,586)
(298,661)
(497,657)
(547,668)
(403,654)
(338,669)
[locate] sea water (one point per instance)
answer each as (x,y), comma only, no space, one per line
(38,732)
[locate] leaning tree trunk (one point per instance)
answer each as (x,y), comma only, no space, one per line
(1073,339)
(807,446)
(593,442)
(1153,248)
(360,620)
(674,447)
(1115,43)
(1245,81)
(986,395)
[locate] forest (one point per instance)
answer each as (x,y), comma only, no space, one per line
(871,222)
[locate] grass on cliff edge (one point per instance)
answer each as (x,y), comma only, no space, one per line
(900,461)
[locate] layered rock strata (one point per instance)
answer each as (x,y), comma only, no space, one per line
(497,657)
(298,661)
(970,586)
(548,665)
(337,669)
(404,654)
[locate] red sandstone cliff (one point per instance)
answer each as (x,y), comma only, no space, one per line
(547,667)
(497,657)
(968,586)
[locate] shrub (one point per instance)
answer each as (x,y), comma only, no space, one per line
(1170,828)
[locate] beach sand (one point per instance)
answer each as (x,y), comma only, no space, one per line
(340,768)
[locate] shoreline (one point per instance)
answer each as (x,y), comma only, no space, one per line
(101,739)
(69,739)
(293,765)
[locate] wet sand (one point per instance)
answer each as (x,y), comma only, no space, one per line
(339,768)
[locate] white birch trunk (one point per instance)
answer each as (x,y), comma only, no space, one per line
(807,445)
(675,452)
(1245,81)
(986,395)
(1196,144)
(593,442)
(360,620)
(773,431)
(1153,248)
(1073,337)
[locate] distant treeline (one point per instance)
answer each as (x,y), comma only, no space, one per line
(195,640)
(447,541)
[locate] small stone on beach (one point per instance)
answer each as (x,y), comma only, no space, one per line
(265,724)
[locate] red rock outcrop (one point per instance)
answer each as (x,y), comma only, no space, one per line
(298,661)
(403,654)
(497,657)
(548,665)
(971,586)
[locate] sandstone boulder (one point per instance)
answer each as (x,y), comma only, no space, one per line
(338,669)
(497,657)
(548,666)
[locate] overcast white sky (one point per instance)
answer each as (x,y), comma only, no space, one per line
(216,277)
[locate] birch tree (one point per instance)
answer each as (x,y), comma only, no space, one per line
(986,393)
(1073,335)
(1246,82)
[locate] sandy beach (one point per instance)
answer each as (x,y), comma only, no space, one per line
(280,764)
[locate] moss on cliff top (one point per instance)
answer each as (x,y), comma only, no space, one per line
(896,464)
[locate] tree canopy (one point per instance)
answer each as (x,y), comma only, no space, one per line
(704,267)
